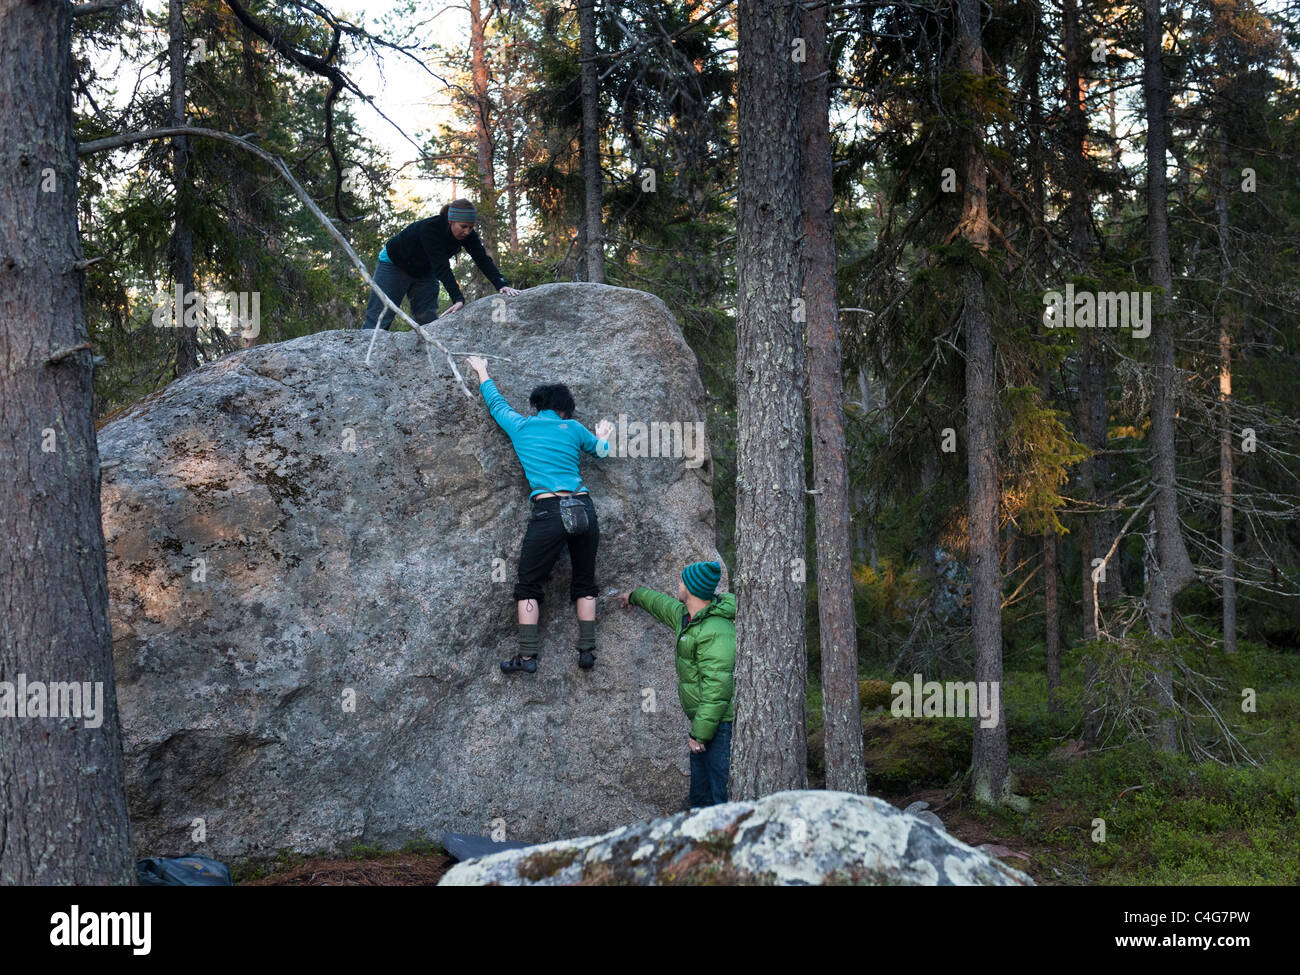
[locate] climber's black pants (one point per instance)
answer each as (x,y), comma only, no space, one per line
(545,539)
(397,284)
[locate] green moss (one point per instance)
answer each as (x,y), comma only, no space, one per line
(545,863)
(719,842)
(874,693)
(905,754)
(255,868)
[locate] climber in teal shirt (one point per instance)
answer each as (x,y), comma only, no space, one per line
(549,446)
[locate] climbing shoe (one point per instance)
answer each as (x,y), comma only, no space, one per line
(586,659)
(517,663)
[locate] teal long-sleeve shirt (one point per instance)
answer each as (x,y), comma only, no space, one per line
(547,445)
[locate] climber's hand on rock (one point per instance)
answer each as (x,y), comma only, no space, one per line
(479,365)
(604,430)
(623,598)
(509,292)
(455,308)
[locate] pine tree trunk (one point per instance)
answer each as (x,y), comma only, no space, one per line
(990,761)
(1118,197)
(182,242)
(1225,478)
(247,189)
(1228,564)
(512,175)
(1037,170)
(1093,359)
(1172,570)
(1052,610)
(590,142)
(769,750)
(580,252)
(1076,133)
(482,127)
(63,812)
(842,714)
(863,539)
(1092,385)
(927,566)
(1033,85)
(1096,536)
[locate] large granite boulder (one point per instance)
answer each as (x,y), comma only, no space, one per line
(310,570)
(787,838)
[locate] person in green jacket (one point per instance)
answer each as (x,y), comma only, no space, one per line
(704,622)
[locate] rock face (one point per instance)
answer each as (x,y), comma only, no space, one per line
(311,565)
(788,838)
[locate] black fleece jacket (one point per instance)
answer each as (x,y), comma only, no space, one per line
(426,248)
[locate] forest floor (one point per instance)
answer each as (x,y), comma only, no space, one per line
(418,865)
(1120,813)
(1115,815)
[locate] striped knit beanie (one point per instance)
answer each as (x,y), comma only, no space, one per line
(461,214)
(702,578)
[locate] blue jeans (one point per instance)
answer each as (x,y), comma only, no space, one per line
(711,769)
(397,284)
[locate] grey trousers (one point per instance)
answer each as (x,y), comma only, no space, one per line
(397,284)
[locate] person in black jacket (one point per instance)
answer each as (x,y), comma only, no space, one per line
(420,256)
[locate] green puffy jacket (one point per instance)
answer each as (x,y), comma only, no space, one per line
(706,656)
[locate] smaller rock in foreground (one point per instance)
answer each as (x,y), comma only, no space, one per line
(788,838)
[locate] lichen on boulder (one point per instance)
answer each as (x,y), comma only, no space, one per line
(788,838)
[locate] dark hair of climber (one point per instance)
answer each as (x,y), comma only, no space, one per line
(555,397)
(413,262)
(549,446)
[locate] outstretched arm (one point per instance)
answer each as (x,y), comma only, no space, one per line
(473,245)
(442,269)
(659,605)
(506,418)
